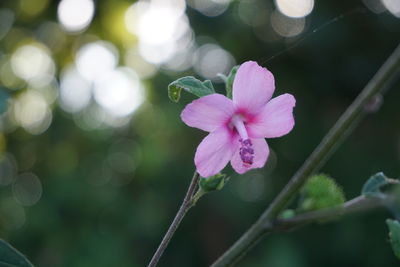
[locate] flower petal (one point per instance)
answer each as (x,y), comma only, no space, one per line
(215,151)
(275,119)
(261,152)
(208,112)
(253,86)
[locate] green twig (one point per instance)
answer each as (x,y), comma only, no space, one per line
(186,205)
(355,205)
(377,85)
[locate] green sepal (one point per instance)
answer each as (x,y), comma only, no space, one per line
(394,235)
(9,256)
(229,81)
(372,188)
(319,192)
(213,183)
(191,85)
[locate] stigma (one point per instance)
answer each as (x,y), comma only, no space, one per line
(246,152)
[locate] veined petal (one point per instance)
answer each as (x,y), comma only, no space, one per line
(261,153)
(275,119)
(253,86)
(215,151)
(208,112)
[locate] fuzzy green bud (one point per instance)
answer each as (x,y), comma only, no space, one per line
(320,191)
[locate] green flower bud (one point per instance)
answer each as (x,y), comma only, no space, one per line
(213,183)
(320,191)
(287,214)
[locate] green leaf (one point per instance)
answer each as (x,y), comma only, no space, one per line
(229,81)
(394,234)
(320,191)
(10,257)
(209,84)
(191,85)
(213,183)
(372,188)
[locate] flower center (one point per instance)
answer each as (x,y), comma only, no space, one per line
(246,150)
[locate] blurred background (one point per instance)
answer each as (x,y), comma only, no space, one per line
(94,159)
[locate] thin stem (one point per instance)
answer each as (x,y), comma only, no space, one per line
(186,205)
(357,204)
(377,85)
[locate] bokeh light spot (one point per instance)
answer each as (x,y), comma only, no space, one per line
(119,92)
(7,169)
(160,27)
(143,68)
(211,59)
(75,15)
(95,59)
(295,8)
(53,36)
(32,112)
(33,63)
(75,91)
(252,188)
(375,6)
(27,189)
(210,8)
(32,8)
(286,26)
(6,21)
(393,6)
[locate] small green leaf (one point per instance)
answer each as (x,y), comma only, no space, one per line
(394,234)
(229,81)
(10,257)
(372,188)
(320,191)
(213,183)
(191,85)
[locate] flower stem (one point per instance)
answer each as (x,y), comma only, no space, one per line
(185,206)
(346,123)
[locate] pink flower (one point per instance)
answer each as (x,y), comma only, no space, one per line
(238,127)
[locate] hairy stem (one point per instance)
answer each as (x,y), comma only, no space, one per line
(377,85)
(186,205)
(355,205)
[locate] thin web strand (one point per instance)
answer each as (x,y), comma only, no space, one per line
(316,30)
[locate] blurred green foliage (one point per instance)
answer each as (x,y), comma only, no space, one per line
(109,188)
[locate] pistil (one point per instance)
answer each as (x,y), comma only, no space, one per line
(246,150)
